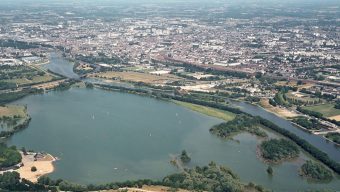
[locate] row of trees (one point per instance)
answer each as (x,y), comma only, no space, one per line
(311,124)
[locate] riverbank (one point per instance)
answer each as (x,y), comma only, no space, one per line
(42,162)
(224,115)
(279,111)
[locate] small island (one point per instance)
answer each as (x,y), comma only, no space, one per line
(278,150)
(315,171)
(241,123)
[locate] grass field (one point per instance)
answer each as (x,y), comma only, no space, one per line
(225,115)
(138,77)
(327,110)
(11,110)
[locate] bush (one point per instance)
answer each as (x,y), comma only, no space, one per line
(33,169)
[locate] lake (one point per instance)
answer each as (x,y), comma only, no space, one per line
(102,136)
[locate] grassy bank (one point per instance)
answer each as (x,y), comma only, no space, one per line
(225,115)
(13,110)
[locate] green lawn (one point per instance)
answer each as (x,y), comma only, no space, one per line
(225,115)
(327,110)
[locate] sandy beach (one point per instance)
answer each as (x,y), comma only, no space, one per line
(44,166)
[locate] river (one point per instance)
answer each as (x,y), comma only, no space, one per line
(328,147)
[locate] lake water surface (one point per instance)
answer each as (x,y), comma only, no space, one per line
(102,136)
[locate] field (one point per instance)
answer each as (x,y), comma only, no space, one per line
(23,75)
(327,110)
(225,115)
(11,110)
(138,77)
(35,79)
(301,97)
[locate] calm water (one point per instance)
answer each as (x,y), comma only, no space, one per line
(104,136)
(60,65)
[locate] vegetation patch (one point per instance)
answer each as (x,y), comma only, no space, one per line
(335,137)
(9,156)
(277,150)
(209,178)
(242,123)
(185,157)
(316,171)
(310,124)
(225,115)
(12,115)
